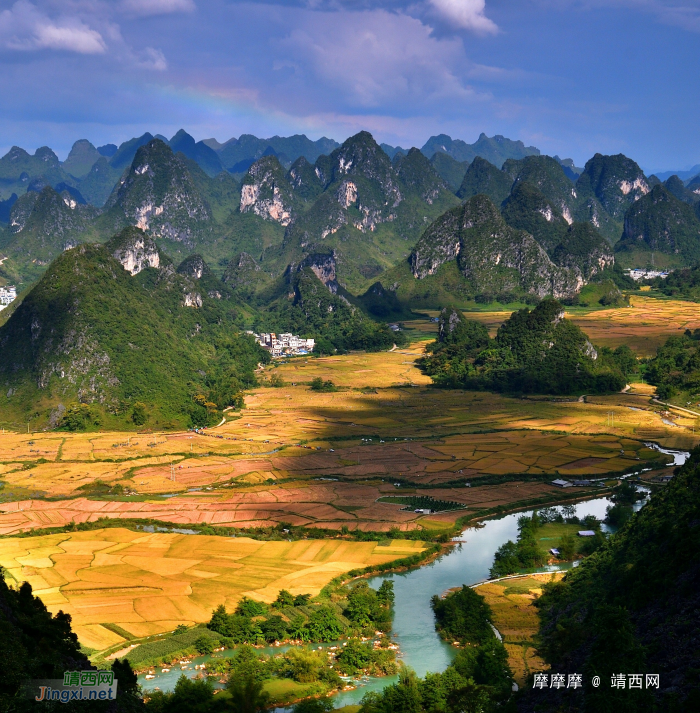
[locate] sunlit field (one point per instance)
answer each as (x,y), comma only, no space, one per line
(117,584)
(323,458)
(515,617)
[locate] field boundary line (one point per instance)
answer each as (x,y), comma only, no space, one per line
(677,408)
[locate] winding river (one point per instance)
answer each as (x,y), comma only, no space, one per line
(468,562)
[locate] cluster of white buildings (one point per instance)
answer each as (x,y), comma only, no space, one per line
(280,345)
(7,295)
(639,274)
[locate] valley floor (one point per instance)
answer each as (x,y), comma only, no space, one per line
(362,457)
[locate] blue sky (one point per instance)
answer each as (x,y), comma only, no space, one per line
(571,77)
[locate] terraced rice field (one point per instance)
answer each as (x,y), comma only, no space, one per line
(515,617)
(118,584)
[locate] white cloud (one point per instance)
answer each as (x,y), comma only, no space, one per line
(25,27)
(374,58)
(465,15)
(74,39)
(152,58)
(157,7)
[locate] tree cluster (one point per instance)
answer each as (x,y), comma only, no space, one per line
(536,351)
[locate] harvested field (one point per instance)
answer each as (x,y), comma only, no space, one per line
(369,430)
(644,326)
(149,583)
(515,617)
(329,506)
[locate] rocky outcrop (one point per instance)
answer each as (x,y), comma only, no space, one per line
(194,266)
(616,181)
(158,195)
(266,192)
(192,299)
(323,266)
(135,250)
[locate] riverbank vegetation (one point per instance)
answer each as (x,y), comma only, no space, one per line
(478,679)
(353,610)
(261,680)
(543,531)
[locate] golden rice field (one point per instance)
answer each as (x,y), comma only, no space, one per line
(284,453)
(146,584)
(515,617)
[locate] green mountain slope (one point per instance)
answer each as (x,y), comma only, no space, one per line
(674,185)
(205,157)
(314,311)
(369,212)
(662,223)
(18,168)
(548,177)
(42,225)
(450,170)
(528,209)
(483,177)
(493,256)
(110,326)
(82,157)
(158,194)
(608,186)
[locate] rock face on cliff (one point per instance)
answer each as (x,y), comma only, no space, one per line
(135,250)
(158,195)
(266,192)
(493,256)
(323,266)
(661,222)
(616,182)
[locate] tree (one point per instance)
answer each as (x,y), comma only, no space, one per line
(284,599)
(204,645)
(128,680)
(385,594)
(190,696)
(247,694)
(316,705)
(567,547)
(471,698)
(138,414)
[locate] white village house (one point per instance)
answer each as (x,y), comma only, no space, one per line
(7,295)
(284,344)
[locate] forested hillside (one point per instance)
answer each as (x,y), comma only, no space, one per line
(631,608)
